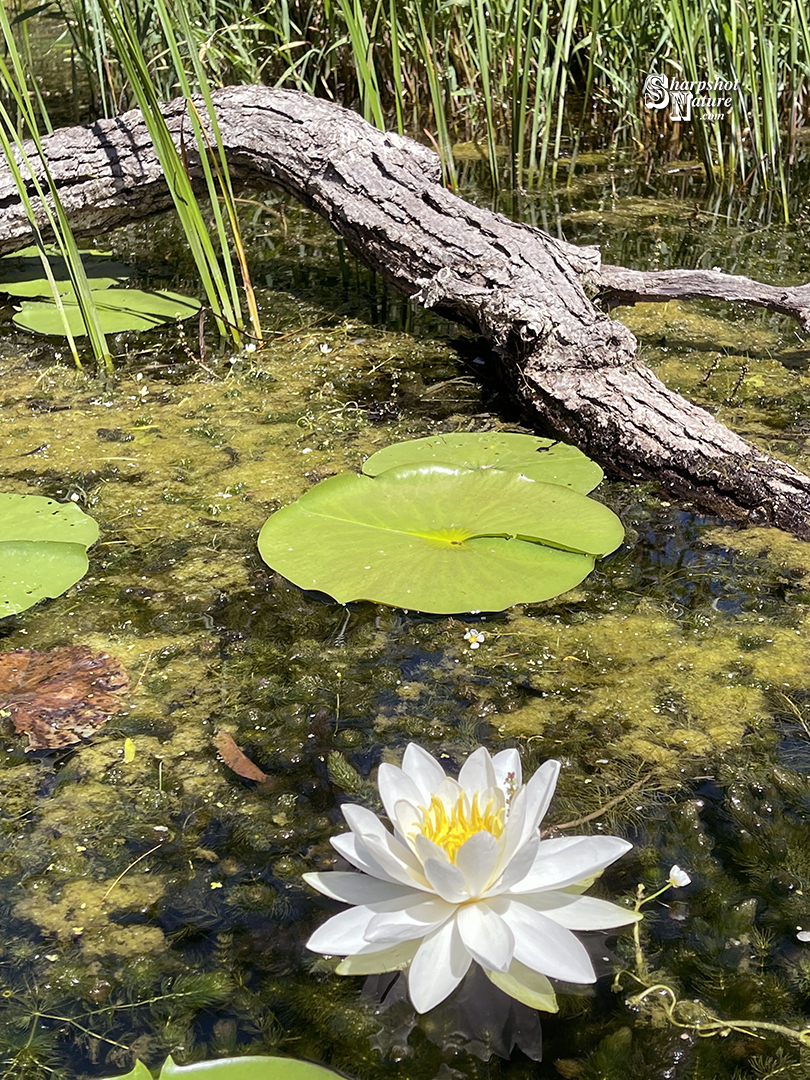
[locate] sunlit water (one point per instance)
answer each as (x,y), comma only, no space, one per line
(157,905)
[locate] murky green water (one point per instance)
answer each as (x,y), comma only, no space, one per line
(157,905)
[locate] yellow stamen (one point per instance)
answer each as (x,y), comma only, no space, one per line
(450,830)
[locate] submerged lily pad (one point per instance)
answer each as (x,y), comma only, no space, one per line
(439,538)
(540,459)
(43,549)
(237,1068)
(118,309)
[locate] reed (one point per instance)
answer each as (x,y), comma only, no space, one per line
(220,287)
(541,78)
(45,209)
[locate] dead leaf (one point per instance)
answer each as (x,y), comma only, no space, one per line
(236,760)
(61,696)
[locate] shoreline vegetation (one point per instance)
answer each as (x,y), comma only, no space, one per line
(530,83)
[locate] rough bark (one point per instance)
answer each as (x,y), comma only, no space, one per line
(619,287)
(572,369)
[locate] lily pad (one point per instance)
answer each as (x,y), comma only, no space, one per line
(540,459)
(439,538)
(118,309)
(43,549)
(237,1068)
(21,272)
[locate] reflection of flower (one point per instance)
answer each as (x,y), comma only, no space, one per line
(465,876)
(475,638)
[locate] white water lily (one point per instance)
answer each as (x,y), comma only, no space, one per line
(463,877)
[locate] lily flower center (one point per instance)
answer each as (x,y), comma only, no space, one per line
(450,829)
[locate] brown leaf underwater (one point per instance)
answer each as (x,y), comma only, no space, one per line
(60,696)
(236,760)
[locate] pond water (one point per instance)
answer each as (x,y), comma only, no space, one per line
(156,905)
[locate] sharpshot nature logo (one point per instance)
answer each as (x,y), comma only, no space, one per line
(712,99)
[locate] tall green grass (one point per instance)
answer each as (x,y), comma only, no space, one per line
(142,53)
(530,81)
(44,210)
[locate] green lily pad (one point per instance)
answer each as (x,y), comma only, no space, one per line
(439,538)
(119,310)
(21,272)
(237,1068)
(540,459)
(43,549)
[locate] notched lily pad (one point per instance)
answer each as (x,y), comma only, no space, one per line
(61,696)
(21,273)
(439,538)
(540,459)
(118,309)
(43,549)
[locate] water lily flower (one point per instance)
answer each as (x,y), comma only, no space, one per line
(466,877)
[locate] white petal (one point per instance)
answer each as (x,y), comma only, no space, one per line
(426,849)
(343,933)
(353,849)
(400,863)
(545,946)
(580,912)
(357,888)
(394,958)
(486,936)
(525,985)
(346,845)
(560,863)
(476,860)
(407,820)
(678,878)
(447,880)
(440,964)
(364,823)
(424,770)
(512,838)
(504,763)
(539,792)
(477,772)
(384,847)
(411,920)
(449,791)
(517,868)
(394,785)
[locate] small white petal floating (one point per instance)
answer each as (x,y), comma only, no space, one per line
(678,878)
(464,877)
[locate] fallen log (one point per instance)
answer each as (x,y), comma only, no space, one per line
(573,370)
